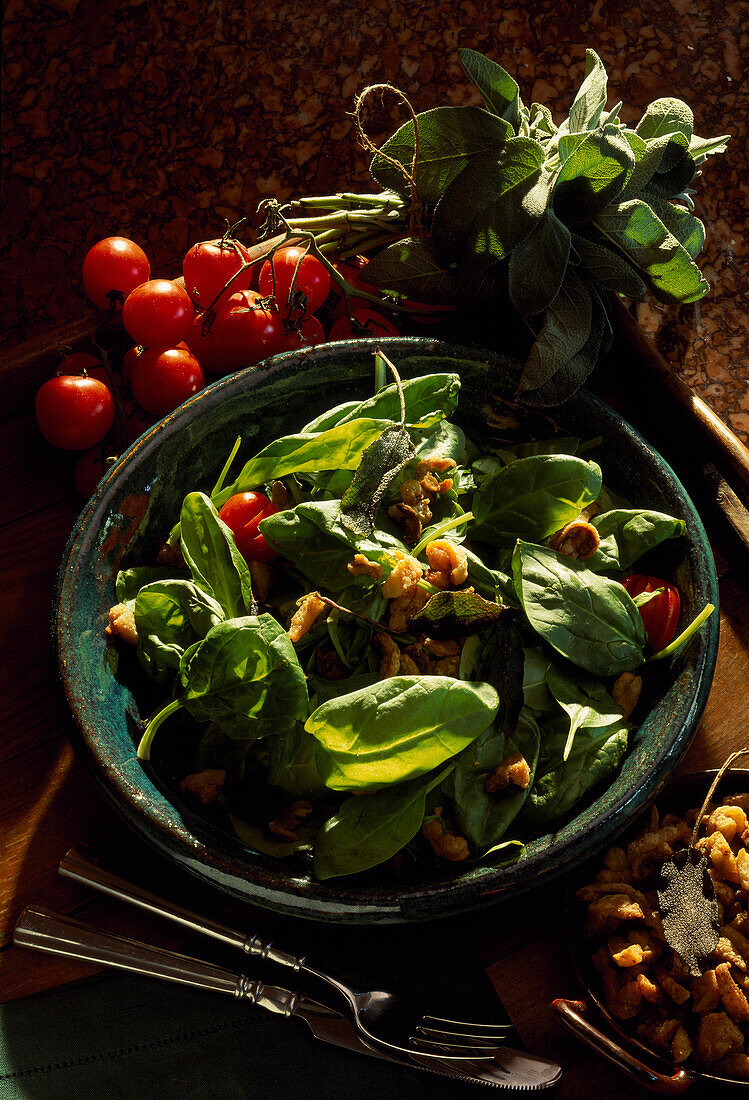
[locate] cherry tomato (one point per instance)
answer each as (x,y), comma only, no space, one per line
(74,412)
(312,280)
(366,322)
(205,349)
(129,360)
(114,267)
(165,377)
(246,331)
(661,614)
(158,314)
(89,470)
(309,332)
(209,265)
(242,514)
(352,273)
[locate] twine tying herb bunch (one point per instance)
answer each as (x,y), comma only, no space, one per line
(686,894)
(500,204)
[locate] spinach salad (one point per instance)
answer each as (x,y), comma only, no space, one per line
(439,661)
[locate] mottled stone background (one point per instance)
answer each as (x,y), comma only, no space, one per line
(160,120)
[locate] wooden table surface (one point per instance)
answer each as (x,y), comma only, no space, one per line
(47,803)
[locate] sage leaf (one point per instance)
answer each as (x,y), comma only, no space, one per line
(337,448)
(534,497)
(568,378)
(608,269)
(411,268)
(498,90)
(380,464)
(626,534)
(565,330)
(593,175)
(688,230)
(585,112)
(638,231)
(586,702)
(370,829)
(454,614)
(170,615)
(212,557)
(649,156)
(666,185)
(399,729)
(494,203)
(500,663)
(704,147)
(538,265)
(590,620)
(541,122)
(449,137)
(482,817)
(244,676)
(665,116)
(688,905)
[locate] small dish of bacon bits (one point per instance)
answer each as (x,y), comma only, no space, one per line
(702,1021)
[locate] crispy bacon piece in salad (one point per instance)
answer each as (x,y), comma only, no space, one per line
(122,624)
(205,786)
(309,608)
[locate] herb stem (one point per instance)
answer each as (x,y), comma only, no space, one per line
(440,530)
(222,476)
(683,638)
(144,748)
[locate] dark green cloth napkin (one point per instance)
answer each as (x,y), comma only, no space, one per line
(122,1037)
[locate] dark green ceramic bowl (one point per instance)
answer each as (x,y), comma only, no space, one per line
(135,506)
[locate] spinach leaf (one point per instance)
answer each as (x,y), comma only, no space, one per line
(313,538)
(371,828)
(337,448)
(321,690)
(245,677)
(585,701)
(170,615)
(587,618)
(559,784)
(292,763)
(257,839)
(534,497)
(484,818)
(400,728)
(536,694)
(130,581)
(212,557)
(627,534)
(453,614)
(331,417)
(493,583)
(429,400)
(558,445)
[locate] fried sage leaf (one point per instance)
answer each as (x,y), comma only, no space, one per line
(686,897)
(380,464)
(451,614)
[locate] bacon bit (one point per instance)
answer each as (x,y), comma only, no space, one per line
(408,520)
(309,609)
(361,566)
(514,769)
(206,785)
(288,820)
(122,624)
(444,843)
(279,494)
(579,540)
(448,560)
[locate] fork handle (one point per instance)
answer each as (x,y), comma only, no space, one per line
(79,864)
(43,930)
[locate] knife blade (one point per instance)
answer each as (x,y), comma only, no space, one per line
(510,1069)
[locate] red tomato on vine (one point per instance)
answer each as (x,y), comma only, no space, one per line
(310,280)
(113,267)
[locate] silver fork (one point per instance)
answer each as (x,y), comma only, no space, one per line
(385,1021)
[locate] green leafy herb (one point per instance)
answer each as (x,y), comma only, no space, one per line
(534,497)
(212,557)
(628,533)
(371,828)
(585,701)
(689,908)
(401,728)
(456,613)
(170,615)
(590,620)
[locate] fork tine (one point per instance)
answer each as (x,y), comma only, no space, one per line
(475,1027)
(446,1048)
